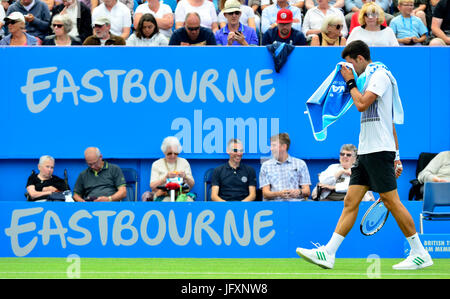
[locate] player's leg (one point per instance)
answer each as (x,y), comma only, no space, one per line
(418,257)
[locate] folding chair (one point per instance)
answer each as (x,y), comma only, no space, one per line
(434,195)
(416,190)
(207,182)
(132,181)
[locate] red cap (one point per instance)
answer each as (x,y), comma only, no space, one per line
(284,15)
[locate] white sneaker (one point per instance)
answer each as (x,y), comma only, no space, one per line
(318,256)
(414,262)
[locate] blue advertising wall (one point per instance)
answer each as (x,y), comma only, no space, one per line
(125,100)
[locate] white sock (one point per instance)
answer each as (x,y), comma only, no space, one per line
(416,245)
(334,243)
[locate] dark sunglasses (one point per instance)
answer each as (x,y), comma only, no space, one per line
(12,22)
(236,150)
(344,154)
(169,154)
(193,28)
(338,26)
(234,13)
(58,25)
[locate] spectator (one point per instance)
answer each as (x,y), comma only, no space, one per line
(283,177)
(61,25)
(205,9)
(247,16)
(314,17)
(2,21)
(255,5)
(147,33)
(353,6)
(418,9)
(409,29)
(339,4)
(94,3)
(440,24)
(162,13)
(284,32)
(37,16)
(41,185)
(192,34)
(171,166)
(334,181)
(355,16)
(233,181)
(80,15)
(330,32)
(234,32)
(102,35)
(17,35)
(118,14)
(101,181)
(371,32)
(270,15)
(438,170)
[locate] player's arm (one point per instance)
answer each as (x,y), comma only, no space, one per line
(397,162)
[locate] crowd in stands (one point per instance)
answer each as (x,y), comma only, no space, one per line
(224,22)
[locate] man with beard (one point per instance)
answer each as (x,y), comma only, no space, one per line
(284,32)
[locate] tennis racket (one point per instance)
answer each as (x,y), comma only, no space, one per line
(374,218)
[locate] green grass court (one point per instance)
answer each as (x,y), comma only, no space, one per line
(211,268)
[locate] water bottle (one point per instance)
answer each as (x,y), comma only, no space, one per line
(68,196)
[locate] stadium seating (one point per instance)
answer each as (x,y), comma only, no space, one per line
(416,191)
(132,180)
(435,194)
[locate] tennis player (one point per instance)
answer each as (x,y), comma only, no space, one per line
(376,165)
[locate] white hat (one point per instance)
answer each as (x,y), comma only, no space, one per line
(16,16)
(102,21)
(232,5)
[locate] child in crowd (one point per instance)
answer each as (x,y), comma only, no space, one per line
(408,29)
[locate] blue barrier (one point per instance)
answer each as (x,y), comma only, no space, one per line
(226,230)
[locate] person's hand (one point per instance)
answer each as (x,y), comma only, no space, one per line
(398,168)
(102,198)
(347,73)
(438,180)
(230,38)
(240,38)
(29,17)
(49,189)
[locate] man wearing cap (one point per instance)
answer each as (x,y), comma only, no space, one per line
(192,34)
(37,16)
(284,32)
(102,35)
(234,32)
(118,14)
(269,15)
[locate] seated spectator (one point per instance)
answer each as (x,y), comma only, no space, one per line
(255,5)
(147,33)
(355,18)
(36,14)
(205,9)
(418,9)
(308,4)
(234,32)
(118,14)
(334,181)
(40,186)
(80,15)
(247,16)
(314,17)
(283,177)
(102,35)
(354,6)
(192,34)
(2,21)
(371,32)
(408,29)
(234,180)
(128,3)
(440,24)
(171,166)
(101,181)
(330,33)
(269,16)
(284,32)
(15,22)
(162,13)
(438,170)
(61,25)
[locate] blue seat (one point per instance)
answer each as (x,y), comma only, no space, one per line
(132,181)
(435,195)
(207,181)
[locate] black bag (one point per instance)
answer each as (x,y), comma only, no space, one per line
(56,196)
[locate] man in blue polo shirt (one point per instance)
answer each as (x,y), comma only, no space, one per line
(233,181)
(284,32)
(235,33)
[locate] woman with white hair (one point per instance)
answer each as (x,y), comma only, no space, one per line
(41,185)
(330,32)
(170,166)
(61,26)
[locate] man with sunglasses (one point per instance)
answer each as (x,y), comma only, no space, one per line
(234,180)
(101,181)
(234,32)
(192,34)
